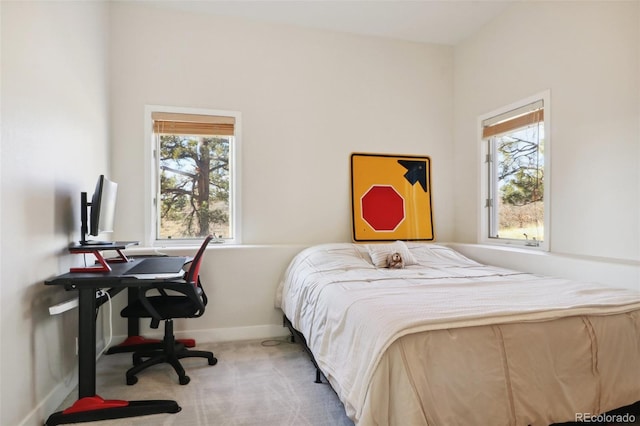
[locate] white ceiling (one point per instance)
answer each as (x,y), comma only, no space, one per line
(429,21)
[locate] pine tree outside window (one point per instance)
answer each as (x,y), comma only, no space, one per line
(516,174)
(194,174)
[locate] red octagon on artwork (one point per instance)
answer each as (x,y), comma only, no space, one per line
(382,208)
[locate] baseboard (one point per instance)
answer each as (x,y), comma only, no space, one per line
(255,332)
(50,403)
(266,331)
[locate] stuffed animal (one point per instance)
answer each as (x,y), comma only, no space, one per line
(395,261)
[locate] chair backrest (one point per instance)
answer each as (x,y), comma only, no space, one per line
(194,271)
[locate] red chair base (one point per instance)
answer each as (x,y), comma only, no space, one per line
(135,343)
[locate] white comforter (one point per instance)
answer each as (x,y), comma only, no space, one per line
(350,312)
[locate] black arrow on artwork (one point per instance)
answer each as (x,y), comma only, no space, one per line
(416,172)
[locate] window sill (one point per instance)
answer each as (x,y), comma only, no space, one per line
(514,252)
(515,245)
(182,250)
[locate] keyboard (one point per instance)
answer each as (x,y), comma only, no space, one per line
(158,267)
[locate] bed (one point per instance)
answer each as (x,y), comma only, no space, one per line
(449,341)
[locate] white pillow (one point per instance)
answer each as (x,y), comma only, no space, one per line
(380,252)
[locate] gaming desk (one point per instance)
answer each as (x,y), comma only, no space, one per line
(134,340)
(90,406)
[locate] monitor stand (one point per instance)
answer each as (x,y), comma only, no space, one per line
(102,264)
(95,243)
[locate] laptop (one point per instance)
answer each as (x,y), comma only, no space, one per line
(160,267)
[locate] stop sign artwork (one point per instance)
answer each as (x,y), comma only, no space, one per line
(382,208)
(390,197)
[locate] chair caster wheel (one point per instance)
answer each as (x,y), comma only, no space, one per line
(132,380)
(213,361)
(185,380)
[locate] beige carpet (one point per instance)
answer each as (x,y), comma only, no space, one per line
(254,383)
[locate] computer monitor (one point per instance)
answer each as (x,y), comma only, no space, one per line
(101,216)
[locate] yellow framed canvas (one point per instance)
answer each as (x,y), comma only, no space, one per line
(391,197)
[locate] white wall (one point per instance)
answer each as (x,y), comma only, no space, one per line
(54,143)
(587,54)
(308,99)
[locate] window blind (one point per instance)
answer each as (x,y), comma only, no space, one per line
(515,119)
(192,124)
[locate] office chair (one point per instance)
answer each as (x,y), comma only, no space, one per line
(175,299)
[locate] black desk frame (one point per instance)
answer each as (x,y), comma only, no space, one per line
(90,406)
(134,340)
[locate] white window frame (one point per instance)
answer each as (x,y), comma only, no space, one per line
(152,175)
(484,170)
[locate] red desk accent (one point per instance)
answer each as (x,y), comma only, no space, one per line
(94,403)
(97,249)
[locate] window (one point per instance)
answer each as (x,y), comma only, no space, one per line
(515,186)
(194,174)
